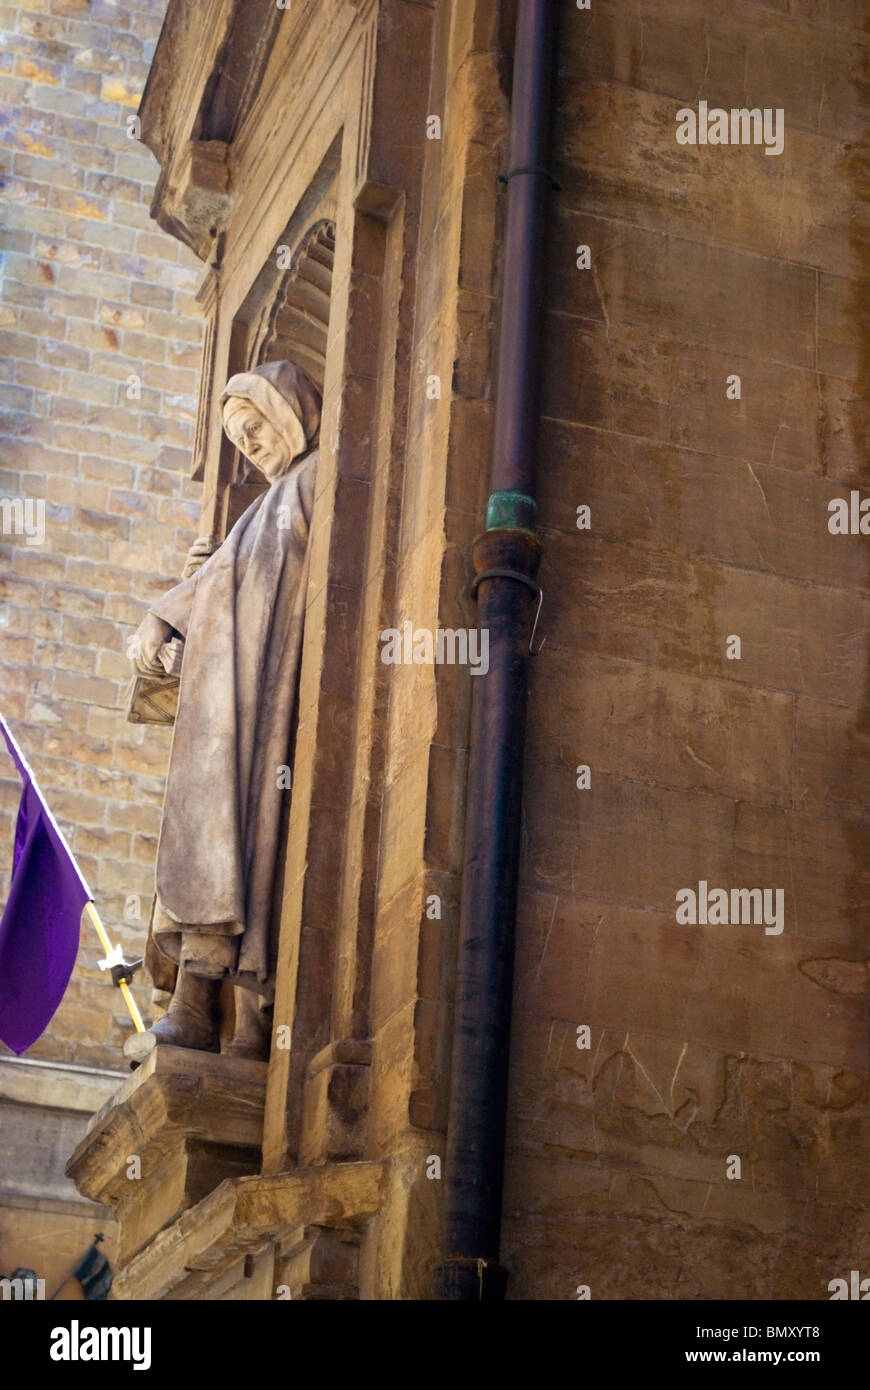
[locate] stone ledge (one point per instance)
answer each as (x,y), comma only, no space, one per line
(190,1119)
(56,1085)
(44,1111)
(55,1206)
(243,1215)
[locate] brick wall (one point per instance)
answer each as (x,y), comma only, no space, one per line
(92,293)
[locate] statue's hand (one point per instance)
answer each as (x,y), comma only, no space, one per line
(146,642)
(171,655)
(198,554)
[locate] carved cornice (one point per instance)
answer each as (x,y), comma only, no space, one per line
(204,78)
(243,1215)
(220,71)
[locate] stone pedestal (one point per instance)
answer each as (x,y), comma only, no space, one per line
(178,1127)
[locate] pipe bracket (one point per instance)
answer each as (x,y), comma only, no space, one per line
(531,169)
(523,579)
(506,574)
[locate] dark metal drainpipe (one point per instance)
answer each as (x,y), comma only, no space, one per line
(506,562)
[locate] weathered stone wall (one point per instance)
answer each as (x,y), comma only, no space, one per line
(93,292)
(709,519)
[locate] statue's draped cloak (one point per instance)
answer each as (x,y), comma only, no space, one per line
(241,616)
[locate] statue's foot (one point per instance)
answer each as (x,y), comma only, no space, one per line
(251,1036)
(190,1021)
(180,1027)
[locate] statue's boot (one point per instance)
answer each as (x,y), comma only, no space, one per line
(190,1021)
(251,1034)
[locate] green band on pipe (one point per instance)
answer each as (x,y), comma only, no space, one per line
(511,509)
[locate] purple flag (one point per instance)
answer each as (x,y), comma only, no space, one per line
(39,930)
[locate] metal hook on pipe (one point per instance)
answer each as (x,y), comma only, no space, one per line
(533,650)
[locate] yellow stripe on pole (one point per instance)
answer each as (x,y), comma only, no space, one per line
(124,987)
(131,1005)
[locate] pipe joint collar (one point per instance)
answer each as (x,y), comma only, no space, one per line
(507,548)
(513,509)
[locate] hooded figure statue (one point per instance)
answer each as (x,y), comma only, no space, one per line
(233,630)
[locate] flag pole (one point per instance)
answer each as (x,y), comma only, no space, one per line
(24,767)
(122,984)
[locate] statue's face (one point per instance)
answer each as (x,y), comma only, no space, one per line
(254,436)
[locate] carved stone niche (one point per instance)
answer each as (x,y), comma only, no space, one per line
(178,1127)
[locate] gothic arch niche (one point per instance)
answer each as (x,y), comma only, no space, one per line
(285,314)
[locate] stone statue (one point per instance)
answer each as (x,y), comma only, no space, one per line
(233,630)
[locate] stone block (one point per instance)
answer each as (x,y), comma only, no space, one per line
(336,1095)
